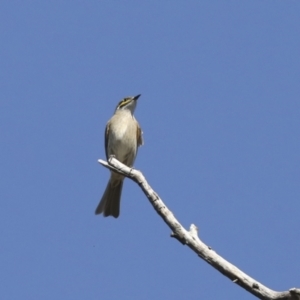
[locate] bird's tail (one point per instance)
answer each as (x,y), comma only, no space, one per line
(110,202)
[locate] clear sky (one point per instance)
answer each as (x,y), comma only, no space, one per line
(220,113)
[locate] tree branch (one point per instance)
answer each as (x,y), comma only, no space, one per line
(191,239)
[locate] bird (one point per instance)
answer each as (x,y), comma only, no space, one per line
(123,135)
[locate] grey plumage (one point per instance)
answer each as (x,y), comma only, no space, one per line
(123,136)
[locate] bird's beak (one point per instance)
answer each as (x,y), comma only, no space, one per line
(136,97)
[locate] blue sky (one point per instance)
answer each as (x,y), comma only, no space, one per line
(220,114)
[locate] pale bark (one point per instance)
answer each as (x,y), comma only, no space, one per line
(191,239)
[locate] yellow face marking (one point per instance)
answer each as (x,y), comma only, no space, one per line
(124,102)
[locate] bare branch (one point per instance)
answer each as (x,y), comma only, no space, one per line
(191,239)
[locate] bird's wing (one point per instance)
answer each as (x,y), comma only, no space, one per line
(106,139)
(139,136)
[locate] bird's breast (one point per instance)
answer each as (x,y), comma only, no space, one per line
(122,140)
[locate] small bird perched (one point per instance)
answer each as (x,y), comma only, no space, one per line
(123,136)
